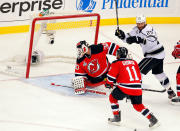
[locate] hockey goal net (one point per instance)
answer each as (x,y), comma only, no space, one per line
(66,29)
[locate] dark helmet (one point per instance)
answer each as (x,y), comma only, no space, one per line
(81,43)
(82,48)
(122,52)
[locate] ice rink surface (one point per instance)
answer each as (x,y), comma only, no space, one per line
(28,107)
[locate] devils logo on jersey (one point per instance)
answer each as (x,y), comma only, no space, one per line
(93,66)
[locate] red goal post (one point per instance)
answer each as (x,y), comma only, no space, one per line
(54,18)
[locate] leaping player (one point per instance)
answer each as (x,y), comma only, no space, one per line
(153,51)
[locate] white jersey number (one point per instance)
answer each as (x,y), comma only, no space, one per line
(130,70)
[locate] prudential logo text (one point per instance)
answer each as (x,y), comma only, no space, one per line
(85,5)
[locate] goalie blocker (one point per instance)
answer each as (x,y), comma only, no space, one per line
(79,85)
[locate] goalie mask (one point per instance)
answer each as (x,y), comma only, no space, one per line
(122,52)
(82,48)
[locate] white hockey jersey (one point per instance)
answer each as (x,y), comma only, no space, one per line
(152,48)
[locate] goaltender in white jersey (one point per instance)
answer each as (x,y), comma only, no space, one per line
(153,51)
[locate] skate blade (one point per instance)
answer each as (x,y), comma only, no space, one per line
(175,103)
(155,126)
(114,123)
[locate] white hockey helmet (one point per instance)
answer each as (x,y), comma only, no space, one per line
(140,19)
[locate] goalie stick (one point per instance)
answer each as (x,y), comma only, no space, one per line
(87,90)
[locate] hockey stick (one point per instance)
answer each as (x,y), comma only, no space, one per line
(152,90)
(87,90)
(117,18)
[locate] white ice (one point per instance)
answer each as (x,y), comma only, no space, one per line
(24,107)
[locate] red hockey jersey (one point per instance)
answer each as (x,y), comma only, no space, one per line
(126,74)
(176,51)
(95,66)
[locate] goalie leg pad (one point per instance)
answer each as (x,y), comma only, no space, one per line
(79,85)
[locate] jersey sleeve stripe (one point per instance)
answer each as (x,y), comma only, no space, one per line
(111,49)
(154,52)
(111,79)
(114,106)
(80,74)
(130,86)
(111,76)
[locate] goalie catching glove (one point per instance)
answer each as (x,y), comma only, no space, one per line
(79,85)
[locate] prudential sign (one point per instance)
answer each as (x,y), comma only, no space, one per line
(109,4)
(85,5)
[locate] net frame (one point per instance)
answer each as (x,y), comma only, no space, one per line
(54,18)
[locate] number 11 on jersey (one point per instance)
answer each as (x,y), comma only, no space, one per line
(130,71)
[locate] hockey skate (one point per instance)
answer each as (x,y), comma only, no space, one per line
(153,121)
(116,120)
(171,93)
(175,100)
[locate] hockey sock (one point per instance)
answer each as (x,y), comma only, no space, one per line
(114,105)
(141,108)
(178,84)
(163,79)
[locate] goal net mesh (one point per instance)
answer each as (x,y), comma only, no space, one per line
(67,30)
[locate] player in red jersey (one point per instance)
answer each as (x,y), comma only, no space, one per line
(92,64)
(176,54)
(126,75)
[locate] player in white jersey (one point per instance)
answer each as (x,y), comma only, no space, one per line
(153,51)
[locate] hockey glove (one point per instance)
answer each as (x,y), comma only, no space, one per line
(134,39)
(79,85)
(120,34)
(108,86)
